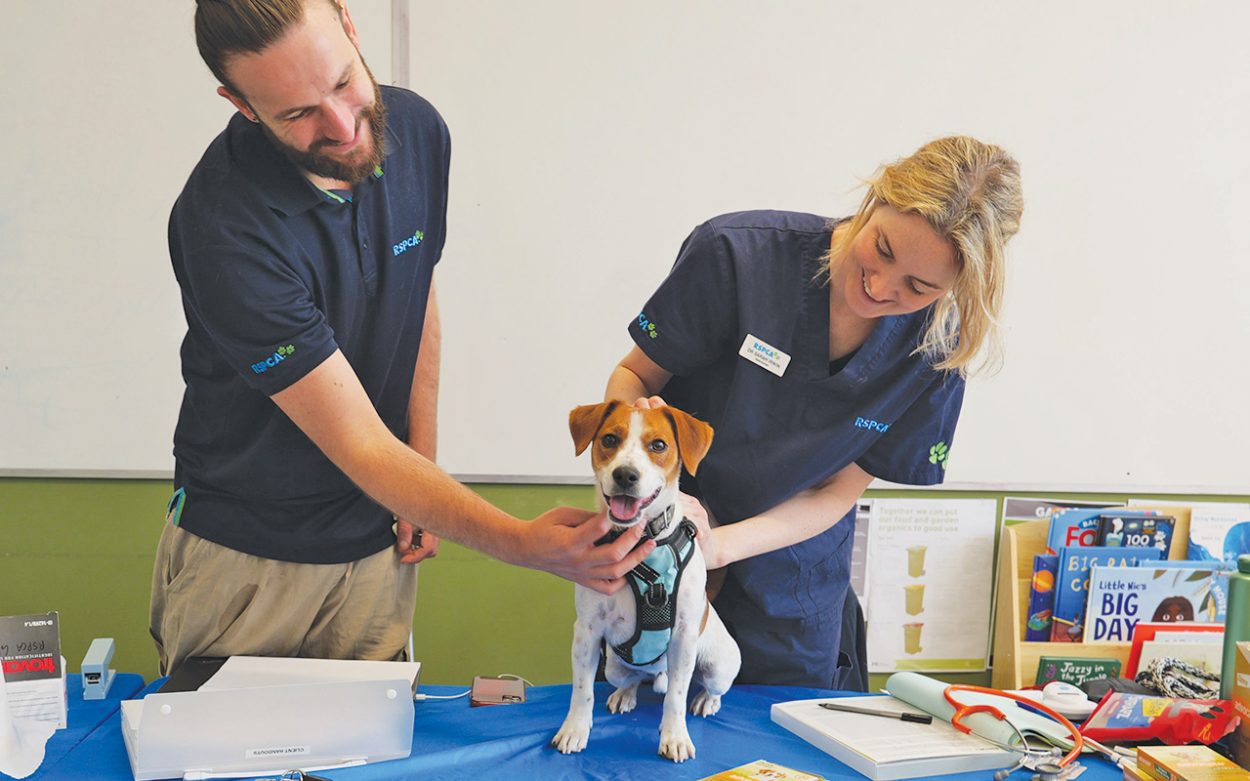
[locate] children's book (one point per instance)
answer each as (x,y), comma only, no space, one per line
(1123,530)
(1072,585)
(1206,654)
(1079,525)
(1041,597)
(1076,526)
(1219,531)
(1145,631)
(1075,670)
(1120,597)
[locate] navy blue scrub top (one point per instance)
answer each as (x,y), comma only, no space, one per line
(751,278)
(276,274)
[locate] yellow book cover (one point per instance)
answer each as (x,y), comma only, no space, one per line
(1188,763)
(761,770)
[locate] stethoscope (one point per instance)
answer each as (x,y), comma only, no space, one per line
(1047,763)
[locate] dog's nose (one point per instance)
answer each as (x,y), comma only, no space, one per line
(625,476)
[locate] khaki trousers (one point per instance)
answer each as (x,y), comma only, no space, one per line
(209,600)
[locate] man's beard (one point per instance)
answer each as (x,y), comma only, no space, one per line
(353,169)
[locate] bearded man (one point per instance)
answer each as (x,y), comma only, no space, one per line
(305,243)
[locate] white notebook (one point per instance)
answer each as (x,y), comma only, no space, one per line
(883,748)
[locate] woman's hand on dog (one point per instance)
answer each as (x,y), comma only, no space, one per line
(649,402)
(705,535)
(562,541)
(414,545)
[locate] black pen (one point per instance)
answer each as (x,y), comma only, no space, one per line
(919,718)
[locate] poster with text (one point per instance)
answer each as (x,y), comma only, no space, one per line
(859,553)
(930,577)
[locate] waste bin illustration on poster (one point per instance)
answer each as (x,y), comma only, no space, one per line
(930,579)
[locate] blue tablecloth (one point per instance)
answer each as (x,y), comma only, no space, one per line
(451,740)
(84,717)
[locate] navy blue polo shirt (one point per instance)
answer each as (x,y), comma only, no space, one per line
(277,274)
(749,282)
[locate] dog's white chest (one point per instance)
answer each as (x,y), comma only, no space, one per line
(612,616)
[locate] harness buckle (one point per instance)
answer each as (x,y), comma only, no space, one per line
(656,595)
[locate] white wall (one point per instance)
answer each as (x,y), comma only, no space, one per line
(589,138)
(107,107)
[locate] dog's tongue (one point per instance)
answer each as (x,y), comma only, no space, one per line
(624,508)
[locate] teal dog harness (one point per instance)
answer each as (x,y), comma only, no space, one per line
(654,583)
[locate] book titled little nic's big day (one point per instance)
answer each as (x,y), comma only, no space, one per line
(1071,590)
(1120,597)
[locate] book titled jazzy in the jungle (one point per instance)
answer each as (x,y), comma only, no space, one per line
(1120,596)
(1075,670)
(1072,584)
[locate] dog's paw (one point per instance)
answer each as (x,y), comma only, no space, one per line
(675,744)
(660,684)
(571,738)
(705,704)
(623,699)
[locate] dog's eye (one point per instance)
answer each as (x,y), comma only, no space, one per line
(658,446)
(610,440)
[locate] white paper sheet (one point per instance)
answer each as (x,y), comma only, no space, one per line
(22,741)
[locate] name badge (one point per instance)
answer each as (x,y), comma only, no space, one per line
(761,353)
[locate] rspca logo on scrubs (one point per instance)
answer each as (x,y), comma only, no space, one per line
(280,355)
(408,243)
(646,325)
(871,425)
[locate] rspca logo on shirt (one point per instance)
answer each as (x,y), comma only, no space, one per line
(408,243)
(646,325)
(871,425)
(280,355)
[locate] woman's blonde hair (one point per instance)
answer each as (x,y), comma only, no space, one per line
(969,192)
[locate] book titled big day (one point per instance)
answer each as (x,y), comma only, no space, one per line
(1072,584)
(1119,597)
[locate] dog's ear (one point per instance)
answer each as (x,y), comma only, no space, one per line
(584,422)
(694,437)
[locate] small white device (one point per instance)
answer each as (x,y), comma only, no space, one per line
(96,675)
(1064,698)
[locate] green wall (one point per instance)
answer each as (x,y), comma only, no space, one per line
(85,547)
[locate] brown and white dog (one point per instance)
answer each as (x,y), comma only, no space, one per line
(637,458)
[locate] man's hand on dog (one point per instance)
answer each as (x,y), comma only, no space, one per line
(562,541)
(414,545)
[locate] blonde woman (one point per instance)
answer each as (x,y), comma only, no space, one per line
(824,353)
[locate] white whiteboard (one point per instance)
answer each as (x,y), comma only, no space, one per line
(589,138)
(107,108)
